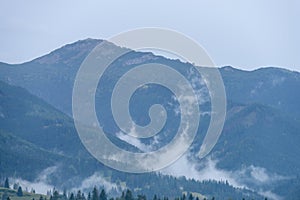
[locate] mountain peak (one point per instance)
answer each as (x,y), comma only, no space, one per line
(69,53)
(231,69)
(81,43)
(277,70)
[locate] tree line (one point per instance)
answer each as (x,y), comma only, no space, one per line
(100,194)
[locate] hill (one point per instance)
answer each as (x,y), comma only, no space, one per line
(34,146)
(12,194)
(258,145)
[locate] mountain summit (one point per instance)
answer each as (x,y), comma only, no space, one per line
(69,54)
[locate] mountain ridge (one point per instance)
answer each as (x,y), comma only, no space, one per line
(98,40)
(22,157)
(263,105)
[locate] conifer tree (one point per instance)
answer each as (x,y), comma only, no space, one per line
(103,195)
(55,195)
(72,196)
(89,197)
(6,183)
(95,195)
(20,191)
(128,195)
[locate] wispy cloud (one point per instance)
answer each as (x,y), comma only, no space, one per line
(41,184)
(96,180)
(251,177)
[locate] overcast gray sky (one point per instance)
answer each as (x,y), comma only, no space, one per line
(245,34)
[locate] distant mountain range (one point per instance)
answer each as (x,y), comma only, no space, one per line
(258,148)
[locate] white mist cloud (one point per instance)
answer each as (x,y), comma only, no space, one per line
(133,141)
(181,167)
(270,195)
(184,167)
(96,180)
(199,84)
(39,187)
(137,142)
(258,176)
(40,184)
(247,177)
(43,176)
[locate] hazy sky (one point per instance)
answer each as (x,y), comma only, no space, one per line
(245,34)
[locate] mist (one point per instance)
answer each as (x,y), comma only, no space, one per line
(97,180)
(250,177)
(41,184)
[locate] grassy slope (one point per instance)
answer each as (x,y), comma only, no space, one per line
(26,195)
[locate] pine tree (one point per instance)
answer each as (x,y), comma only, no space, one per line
(128,195)
(55,195)
(123,195)
(103,195)
(95,195)
(141,197)
(6,183)
(64,196)
(15,186)
(89,196)
(78,196)
(72,196)
(183,197)
(20,192)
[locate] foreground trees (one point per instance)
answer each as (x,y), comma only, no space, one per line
(126,195)
(6,183)
(96,195)
(20,191)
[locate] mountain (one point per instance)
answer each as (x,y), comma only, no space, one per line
(34,120)
(38,143)
(56,71)
(35,136)
(53,75)
(20,157)
(258,131)
(275,87)
(258,146)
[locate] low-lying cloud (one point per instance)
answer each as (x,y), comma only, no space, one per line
(40,184)
(251,177)
(97,180)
